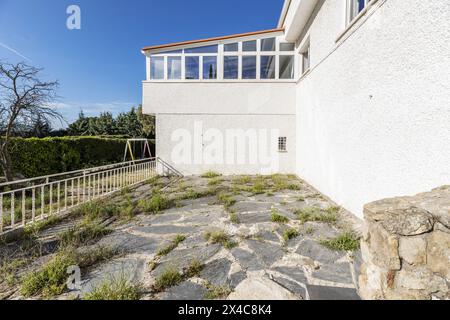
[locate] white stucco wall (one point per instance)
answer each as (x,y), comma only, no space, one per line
(373,116)
(169,128)
(219,97)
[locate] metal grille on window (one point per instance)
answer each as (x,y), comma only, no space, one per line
(282,144)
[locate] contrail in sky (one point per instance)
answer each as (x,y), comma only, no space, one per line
(14,51)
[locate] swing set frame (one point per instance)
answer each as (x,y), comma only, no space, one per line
(130,149)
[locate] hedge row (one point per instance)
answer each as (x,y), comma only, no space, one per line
(37,157)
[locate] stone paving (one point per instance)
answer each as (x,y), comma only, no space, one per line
(255,261)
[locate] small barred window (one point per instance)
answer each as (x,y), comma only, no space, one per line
(282,144)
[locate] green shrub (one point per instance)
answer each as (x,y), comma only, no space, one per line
(37,157)
(346,241)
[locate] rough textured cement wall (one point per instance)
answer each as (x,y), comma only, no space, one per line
(406,247)
(373,116)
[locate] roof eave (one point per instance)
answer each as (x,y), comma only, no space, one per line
(284,12)
(207,40)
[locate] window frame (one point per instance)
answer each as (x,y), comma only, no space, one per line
(221,54)
(351,15)
(282,144)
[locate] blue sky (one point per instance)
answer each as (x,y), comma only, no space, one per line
(100,67)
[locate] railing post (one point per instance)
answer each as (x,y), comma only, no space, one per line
(1,212)
(24,209)
(33,204)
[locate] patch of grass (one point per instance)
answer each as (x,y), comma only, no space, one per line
(234,218)
(115,289)
(157,203)
(309,230)
(214,182)
(168,249)
(128,210)
(217,292)
(226,200)
(210,175)
(346,241)
(82,234)
(126,190)
(152,266)
(301,199)
(9,270)
(290,234)
(96,210)
(95,256)
(258,188)
(50,280)
(314,214)
(154,181)
(194,268)
(190,194)
(276,217)
(293,186)
(222,238)
(35,228)
(242,180)
(168,278)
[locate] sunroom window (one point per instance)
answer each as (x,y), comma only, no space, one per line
(174,68)
(157,68)
(287,46)
(268,44)
(206,49)
(192,68)
(249,46)
(230,67)
(287,67)
(209,68)
(231,47)
(249,67)
(249,59)
(267,67)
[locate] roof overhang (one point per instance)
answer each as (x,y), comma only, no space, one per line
(180,45)
(295,16)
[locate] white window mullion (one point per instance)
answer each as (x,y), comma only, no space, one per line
(258,67)
(277,67)
(220,64)
(200,67)
(148,68)
(183,67)
(166,76)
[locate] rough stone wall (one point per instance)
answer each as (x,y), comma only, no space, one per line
(406,247)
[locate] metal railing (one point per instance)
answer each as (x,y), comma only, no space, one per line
(31,200)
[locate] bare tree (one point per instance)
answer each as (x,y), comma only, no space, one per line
(24,99)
